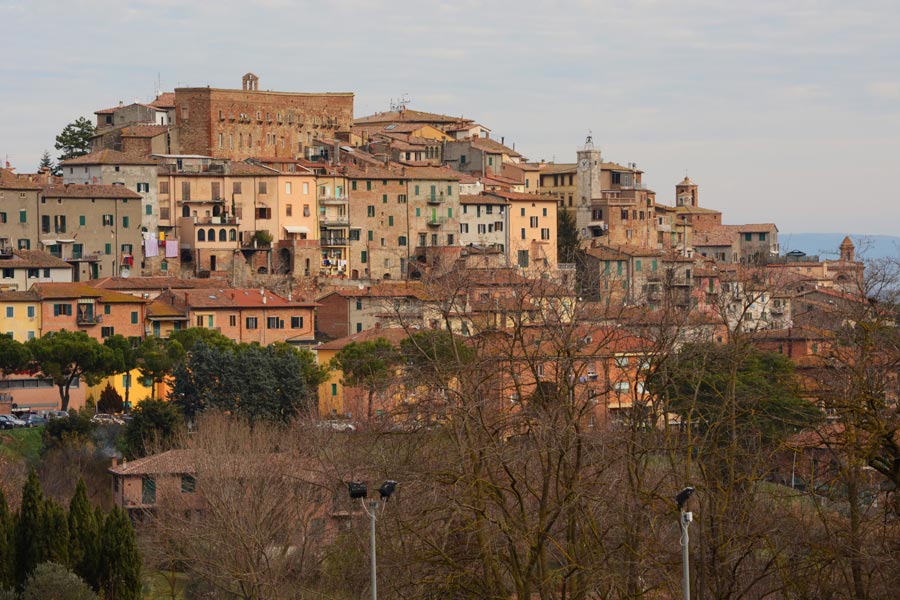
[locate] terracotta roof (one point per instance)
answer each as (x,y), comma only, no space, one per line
(442,173)
(159,309)
(10,180)
(164,100)
(173,461)
(144,130)
(108,111)
(696,210)
(481,199)
(613,252)
(242,168)
(756,227)
(154,283)
(408,115)
(108,157)
(33,259)
(232,298)
(17,296)
(392,334)
(521,196)
(557,168)
(489,145)
(686,181)
(717,236)
(384,290)
(72,190)
(82,290)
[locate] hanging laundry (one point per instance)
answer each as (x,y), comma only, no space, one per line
(171,248)
(151,247)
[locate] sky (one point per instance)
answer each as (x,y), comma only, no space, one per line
(782,111)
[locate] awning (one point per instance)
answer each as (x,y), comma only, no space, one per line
(48,242)
(296,229)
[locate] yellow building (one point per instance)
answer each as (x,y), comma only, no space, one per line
(138,387)
(531,231)
(20,315)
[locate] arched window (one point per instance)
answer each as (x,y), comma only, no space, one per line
(201,235)
(211,235)
(232,235)
(222,235)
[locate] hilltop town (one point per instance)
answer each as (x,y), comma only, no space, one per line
(473,318)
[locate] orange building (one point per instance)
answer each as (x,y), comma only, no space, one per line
(81,307)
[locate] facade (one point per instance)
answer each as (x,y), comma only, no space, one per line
(20,315)
(22,268)
(97,228)
(483,221)
(531,231)
(249,123)
(348,311)
(81,307)
(479,155)
(19,203)
(434,209)
(379,223)
(245,315)
(110,167)
(334,223)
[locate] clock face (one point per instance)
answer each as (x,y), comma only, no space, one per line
(584,163)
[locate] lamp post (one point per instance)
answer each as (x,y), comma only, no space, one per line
(359,490)
(684,519)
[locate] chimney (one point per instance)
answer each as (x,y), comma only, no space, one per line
(115,462)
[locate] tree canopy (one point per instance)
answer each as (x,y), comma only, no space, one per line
(75,139)
(370,364)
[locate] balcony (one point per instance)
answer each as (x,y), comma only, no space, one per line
(88,319)
(85,257)
(220,220)
(435,198)
(436,221)
(200,201)
(334,241)
(332,200)
(334,220)
(6,252)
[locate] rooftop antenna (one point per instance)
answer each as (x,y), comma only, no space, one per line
(399,104)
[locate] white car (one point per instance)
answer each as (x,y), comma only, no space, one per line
(105,419)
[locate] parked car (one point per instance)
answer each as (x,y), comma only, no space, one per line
(33,420)
(105,419)
(57,414)
(4,424)
(336,425)
(13,420)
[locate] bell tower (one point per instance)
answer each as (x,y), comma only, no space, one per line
(588,183)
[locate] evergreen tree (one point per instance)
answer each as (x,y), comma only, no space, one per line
(47,163)
(154,426)
(29,525)
(75,139)
(120,563)
(52,581)
(55,533)
(7,545)
(83,535)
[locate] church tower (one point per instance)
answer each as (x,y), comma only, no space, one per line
(588,183)
(686,193)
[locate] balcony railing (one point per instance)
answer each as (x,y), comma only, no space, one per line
(220,220)
(334,241)
(334,221)
(436,221)
(85,257)
(435,198)
(332,200)
(89,319)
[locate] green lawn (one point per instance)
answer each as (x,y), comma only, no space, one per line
(23,444)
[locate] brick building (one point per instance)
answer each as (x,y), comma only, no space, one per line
(81,307)
(245,123)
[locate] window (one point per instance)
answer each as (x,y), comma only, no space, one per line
(107,220)
(334,388)
(401,198)
(358,304)
(289,210)
(371,235)
(369,185)
(24,244)
(622,361)
(2,217)
(533,222)
(107,309)
(236,187)
(353,186)
(30,312)
(107,249)
(251,323)
(621,387)
(23,216)
(363,257)
(134,317)
(148,484)
(188,484)
(263,212)
(384,198)
(523,233)
(143,187)
(148,210)
(748,237)
(545,233)
(762,237)
(9,273)
(45,223)
(287,187)
(124,222)
(637,265)
(10,312)
(390,221)
(296,322)
(418,212)
(354,235)
(370,211)
(464,228)
(274,323)
(62,310)
(107,331)
(449,239)
(523,258)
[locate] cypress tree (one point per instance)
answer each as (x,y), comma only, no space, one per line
(55,534)
(29,529)
(120,563)
(7,545)
(83,534)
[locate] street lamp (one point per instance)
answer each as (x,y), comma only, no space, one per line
(684,519)
(358,489)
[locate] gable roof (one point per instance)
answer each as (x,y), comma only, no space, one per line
(74,190)
(23,259)
(108,156)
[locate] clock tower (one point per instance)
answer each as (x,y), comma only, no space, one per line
(588,184)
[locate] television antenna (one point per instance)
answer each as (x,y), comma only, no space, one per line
(399,104)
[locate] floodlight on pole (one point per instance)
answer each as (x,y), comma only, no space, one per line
(359,490)
(684,520)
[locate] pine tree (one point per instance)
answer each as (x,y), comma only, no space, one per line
(47,163)
(83,536)
(120,563)
(7,545)
(29,525)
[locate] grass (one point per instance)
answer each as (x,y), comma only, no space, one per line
(23,444)
(157,586)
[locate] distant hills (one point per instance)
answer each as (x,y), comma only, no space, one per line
(826,244)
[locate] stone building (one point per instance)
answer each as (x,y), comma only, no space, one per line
(249,123)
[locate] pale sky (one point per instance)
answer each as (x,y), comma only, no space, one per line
(784,111)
